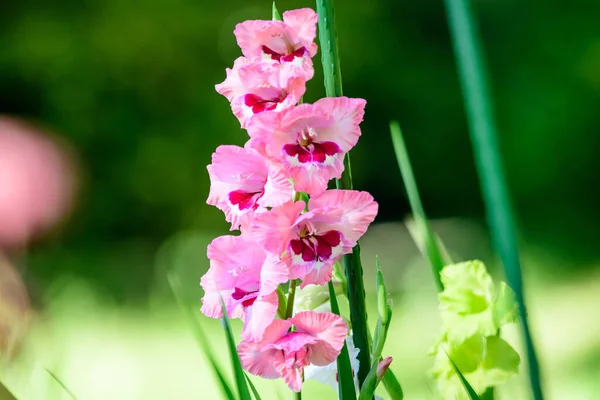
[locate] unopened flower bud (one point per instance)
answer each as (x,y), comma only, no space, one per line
(383,366)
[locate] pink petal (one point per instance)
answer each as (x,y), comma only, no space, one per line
(232,83)
(252,35)
(274,229)
(211,302)
(266,134)
(278,189)
(319,275)
(293,378)
(274,332)
(236,170)
(259,316)
(346,114)
(235,261)
(304,23)
(330,329)
(273,273)
(256,360)
(314,179)
(359,210)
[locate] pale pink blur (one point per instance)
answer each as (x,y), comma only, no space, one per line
(36,183)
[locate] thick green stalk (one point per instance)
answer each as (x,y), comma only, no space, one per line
(290,300)
(482,129)
(352,264)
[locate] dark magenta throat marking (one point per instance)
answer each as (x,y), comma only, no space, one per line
(258,104)
(284,57)
(312,152)
(245,200)
(248,298)
(316,247)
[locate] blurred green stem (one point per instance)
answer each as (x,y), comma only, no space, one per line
(482,129)
(352,264)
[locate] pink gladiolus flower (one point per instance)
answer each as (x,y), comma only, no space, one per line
(310,139)
(315,240)
(287,41)
(246,278)
(255,86)
(318,340)
(244,182)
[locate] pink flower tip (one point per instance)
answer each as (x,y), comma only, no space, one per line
(383,366)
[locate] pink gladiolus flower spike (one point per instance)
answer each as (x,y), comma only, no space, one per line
(255,86)
(312,242)
(318,340)
(246,278)
(243,182)
(287,41)
(311,139)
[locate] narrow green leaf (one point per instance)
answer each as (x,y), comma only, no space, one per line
(252,387)
(470,391)
(368,388)
(276,15)
(428,238)
(6,394)
(392,386)
(482,128)
(61,384)
(344,366)
(353,268)
(200,336)
(238,372)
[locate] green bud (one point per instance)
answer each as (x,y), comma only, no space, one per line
(276,15)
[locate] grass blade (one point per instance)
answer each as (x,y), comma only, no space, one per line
(252,387)
(432,250)
(470,391)
(352,265)
(344,366)
(6,394)
(61,384)
(200,336)
(238,372)
(392,386)
(482,129)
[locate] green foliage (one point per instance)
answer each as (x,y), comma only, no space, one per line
(6,394)
(200,336)
(470,391)
(276,14)
(238,372)
(344,365)
(482,128)
(61,384)
(473,310)
(353,267)
(427,237)
(392,386)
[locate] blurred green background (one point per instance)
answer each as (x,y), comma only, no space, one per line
(130,86)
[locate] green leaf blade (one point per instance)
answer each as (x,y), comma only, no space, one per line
(238,372)
(434,255)
(482,129)
(344,366)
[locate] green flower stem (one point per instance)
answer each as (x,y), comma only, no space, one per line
(352,264)
(482,129)
(290,300)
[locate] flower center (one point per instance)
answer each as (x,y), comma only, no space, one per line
(315,247)
(307,149)
(246,298)
(245,200)
(288,57)
(258,104)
